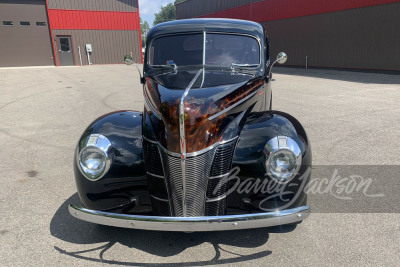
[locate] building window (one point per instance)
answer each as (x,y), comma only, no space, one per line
(64,44)
(40,23)
(8,23)
(24,23)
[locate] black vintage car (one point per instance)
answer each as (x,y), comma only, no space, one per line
(208,152)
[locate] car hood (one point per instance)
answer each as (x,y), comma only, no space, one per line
(214,101)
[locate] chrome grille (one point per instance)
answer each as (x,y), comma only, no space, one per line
(197,173)
(216,208)
(152,157)
(164,175)
(221,167)
(223,159)
(173,174)
(156,179)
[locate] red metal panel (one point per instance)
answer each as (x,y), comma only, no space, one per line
(93,20)
(269,10)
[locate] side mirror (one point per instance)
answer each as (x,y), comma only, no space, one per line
(281,58)
(129,61)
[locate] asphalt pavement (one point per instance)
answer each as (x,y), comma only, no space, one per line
(352,118)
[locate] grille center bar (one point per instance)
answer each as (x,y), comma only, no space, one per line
(183,139)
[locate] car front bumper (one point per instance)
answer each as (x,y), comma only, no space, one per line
(192,224)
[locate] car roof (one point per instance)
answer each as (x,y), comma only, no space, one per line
(209,25)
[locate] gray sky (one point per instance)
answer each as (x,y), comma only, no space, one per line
(147,8)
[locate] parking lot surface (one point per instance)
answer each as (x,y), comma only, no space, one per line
(351,118)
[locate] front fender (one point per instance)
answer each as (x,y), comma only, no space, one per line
(249,160)
(126,179)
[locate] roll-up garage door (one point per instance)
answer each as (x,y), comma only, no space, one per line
(24,34)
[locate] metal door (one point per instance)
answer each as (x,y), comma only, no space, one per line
(65,55)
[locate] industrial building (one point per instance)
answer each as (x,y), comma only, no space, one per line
(68,32)
(355,34)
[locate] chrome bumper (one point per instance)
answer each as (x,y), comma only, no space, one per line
(191,224)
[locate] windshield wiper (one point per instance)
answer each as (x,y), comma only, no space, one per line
(173,66)
(243,66)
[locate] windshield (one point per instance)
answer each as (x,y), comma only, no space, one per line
(221,50)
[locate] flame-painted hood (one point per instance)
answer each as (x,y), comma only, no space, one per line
(213,107)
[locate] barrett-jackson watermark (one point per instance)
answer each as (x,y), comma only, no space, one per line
(341,187)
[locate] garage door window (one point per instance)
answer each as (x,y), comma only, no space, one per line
(8,23)
(40,23)
(24,23)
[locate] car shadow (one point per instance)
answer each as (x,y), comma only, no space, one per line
(163,244)
(347,75)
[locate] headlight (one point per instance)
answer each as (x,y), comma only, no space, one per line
(94,157)
(283,158)
(92,162)
(282,164)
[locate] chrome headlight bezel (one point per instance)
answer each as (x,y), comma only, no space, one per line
(287,145)
(103,146)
